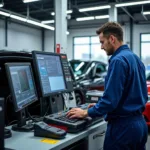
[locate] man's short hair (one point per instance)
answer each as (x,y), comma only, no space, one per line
(111,28)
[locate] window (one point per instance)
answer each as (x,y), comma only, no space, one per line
(145,49)
(89,48)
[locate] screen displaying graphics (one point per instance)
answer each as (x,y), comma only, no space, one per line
(22,84)
(50,73)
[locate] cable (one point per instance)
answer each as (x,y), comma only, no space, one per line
(12,122)
(7,98)
(37,119)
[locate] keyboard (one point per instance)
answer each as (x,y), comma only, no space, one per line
(65,118)
(71,125)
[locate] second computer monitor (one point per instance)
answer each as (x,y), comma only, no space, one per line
(50,73)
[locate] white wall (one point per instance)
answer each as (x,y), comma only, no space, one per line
(20,37)
(90,32)
(49,41)
(137,29)
(2,34)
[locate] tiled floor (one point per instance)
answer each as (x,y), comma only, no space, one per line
(148,141)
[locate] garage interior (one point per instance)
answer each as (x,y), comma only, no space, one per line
(30,28)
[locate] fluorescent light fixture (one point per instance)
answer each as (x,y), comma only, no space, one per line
(94,8)
(52,13)
(28,1)
(102,17)
(67,32)
(4,14)
(85,18)
(18,18)
(146,13)
(1,4)
(68,12)
(48,21)
(40,24)
(47,27)
(132,3)
(28,21)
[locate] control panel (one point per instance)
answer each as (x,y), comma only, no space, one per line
(67,74)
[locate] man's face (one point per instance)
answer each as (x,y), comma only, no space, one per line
(106,44)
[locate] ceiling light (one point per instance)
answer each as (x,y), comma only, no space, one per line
(28,1)
(4,14)
(48,21)
(1,4)
(47,27)
(52,13)
(132,3)
(94,8)
(67,32)
(146,13)
(18,18)
(40,24)
(85,18)
(68,12)
(28,21)
(102,17)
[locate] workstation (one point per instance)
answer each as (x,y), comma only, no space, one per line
(52,62)
(54,125)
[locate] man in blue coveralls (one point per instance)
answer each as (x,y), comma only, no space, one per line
(124,97)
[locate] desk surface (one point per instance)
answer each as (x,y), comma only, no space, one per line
(27,141)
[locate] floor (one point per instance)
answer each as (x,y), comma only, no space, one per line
(148,141)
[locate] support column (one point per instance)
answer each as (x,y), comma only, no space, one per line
(43,39)
(60,41)
(6,32)
(113,16)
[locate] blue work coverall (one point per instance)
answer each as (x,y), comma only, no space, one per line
(123,102)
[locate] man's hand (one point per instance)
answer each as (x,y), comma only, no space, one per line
(77,113)
(91,105)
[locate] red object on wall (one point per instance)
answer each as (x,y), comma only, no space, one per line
(58,48)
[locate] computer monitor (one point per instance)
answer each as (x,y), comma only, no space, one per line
(23,91)
(50,73)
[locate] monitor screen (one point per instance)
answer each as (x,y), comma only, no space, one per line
(50,73)
(22,84)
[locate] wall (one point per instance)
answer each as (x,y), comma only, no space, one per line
(2,34)
(88,28)
(20,37)
(23,37)
(49,41)
(137,29)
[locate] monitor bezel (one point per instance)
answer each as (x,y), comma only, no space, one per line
(7,66)
(35,63)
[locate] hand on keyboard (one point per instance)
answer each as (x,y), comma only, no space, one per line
(91,105)
(77,113)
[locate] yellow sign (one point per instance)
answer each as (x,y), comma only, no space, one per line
(50,141)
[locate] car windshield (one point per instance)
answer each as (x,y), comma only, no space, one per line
(78,67)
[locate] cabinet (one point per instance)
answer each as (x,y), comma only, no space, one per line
(96,139)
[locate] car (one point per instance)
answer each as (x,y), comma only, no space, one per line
(146,112)
(89,74)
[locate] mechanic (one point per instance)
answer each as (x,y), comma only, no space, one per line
(125,94)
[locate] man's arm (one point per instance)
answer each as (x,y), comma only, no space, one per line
(115,82)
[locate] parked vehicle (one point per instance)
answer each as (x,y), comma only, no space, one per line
(89,74)
(146,112)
